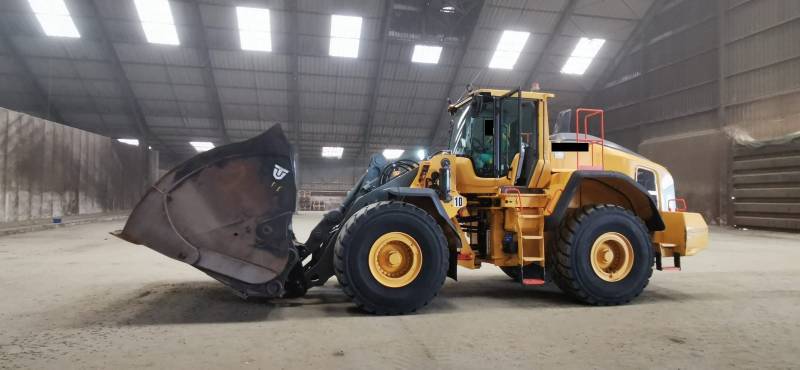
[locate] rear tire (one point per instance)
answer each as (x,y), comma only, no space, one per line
(352,259)
(604,280)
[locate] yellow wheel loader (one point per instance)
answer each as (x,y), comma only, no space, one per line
(568,207)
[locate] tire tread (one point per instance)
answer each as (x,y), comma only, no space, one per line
(347,237)
(564,276)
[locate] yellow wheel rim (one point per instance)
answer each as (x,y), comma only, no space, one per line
(612,257)
(395,259)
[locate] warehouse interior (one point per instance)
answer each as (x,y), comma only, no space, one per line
(101,98)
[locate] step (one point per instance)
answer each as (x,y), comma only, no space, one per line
(529,216)
(532,282)
(532,237)
(532,259)
(667,245)
(525,195)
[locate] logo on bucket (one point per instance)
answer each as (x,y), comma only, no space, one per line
(279,172)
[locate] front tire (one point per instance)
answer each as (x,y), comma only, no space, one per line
(391,258)
(604,255)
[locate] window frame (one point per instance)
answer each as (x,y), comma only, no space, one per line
(656,182)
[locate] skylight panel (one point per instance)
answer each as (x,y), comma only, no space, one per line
(345,34)
(202,146)
(254,28)
(332,151)
(54,18)
(157,22)
(134,142)
(508,49)
(426,54)
(392,153)
(583,55)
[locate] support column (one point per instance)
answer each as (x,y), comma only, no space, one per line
(724,198)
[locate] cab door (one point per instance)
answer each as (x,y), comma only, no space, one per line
(518,135)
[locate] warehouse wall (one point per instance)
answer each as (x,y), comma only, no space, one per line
(762,72)
(700,76)
(329,175)
(766,186)
(762,112)
(324,183)
(47,168)
(663,97)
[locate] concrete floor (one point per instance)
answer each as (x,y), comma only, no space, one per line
(79,298)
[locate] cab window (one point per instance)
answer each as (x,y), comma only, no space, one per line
(475,137)
(513,132)
(647,179)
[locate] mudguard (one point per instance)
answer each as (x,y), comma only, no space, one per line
(641,204)
(226,211)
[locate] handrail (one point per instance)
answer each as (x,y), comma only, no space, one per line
(589,114)
(519,196)
(677,208)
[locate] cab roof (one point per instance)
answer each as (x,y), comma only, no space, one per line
(536,95)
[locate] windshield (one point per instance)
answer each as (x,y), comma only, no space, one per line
(457,138)
(473,137)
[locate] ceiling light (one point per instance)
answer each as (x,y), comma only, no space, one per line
(345,34)
(448,9)
(157,22)
(332,151)
(421,154)
(134,142)
(508,49)
(426,54)
(576,66)
(54,18)
(392,153)
(202,146)
(582,56)
(254,28)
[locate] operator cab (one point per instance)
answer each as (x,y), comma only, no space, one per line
(491,127)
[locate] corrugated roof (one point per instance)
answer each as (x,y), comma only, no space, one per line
(111,80)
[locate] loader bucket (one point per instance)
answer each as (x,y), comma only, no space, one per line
(226,211)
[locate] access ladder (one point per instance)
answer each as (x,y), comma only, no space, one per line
(529,234)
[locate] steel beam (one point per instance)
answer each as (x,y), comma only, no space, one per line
(125,85)
(292,78)
(548,46)
(52,112)
(208,75)
(374,87)
(439,120)
(636,36)
(725,172)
